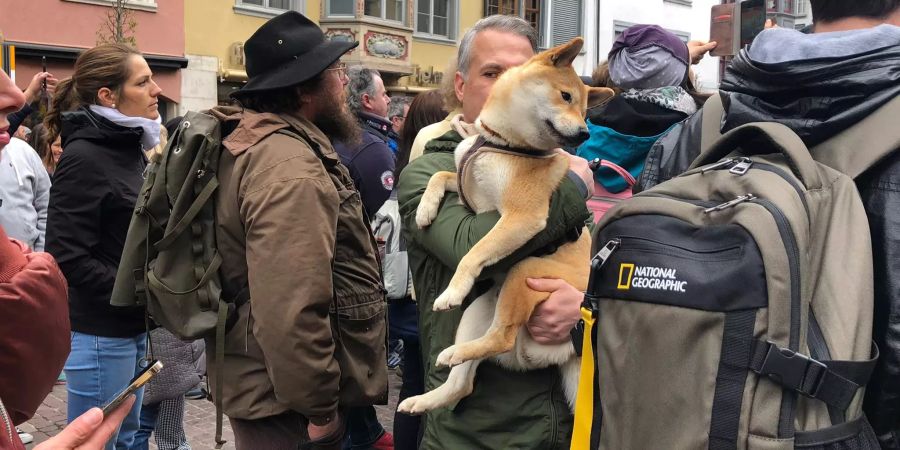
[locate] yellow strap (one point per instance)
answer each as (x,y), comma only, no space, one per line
(584,402)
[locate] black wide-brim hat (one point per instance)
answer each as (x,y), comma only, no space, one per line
(288,50)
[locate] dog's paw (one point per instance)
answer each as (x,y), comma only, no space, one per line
(445,358)
(414,406)
(426,212)
(448,300)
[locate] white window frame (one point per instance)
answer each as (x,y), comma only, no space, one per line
(383,15)
(142,5)
(452,23)
(265,11)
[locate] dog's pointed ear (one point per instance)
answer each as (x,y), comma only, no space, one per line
(564,55)
(598,96)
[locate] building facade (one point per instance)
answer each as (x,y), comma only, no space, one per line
(59,30)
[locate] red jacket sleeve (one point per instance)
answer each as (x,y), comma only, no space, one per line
(34,327)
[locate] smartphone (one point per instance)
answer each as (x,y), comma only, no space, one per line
(722,29)
(734,25)
(44,69)
(141,379)
(753,20)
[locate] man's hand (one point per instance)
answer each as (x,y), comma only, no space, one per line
(699,49)
(553,320)
(90,431)
(317,432)
(580,167)
(34,88)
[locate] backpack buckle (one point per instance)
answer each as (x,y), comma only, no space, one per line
(793,370)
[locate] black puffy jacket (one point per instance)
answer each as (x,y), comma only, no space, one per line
(95,186)
(819,98)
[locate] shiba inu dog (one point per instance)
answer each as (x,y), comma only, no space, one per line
(513,166)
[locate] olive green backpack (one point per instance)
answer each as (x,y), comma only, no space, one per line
(731,307)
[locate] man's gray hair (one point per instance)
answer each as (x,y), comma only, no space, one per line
(396,107)
(507,24)
(362,81)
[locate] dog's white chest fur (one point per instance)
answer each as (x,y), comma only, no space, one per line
(486,178)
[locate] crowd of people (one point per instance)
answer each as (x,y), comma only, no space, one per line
(318,225)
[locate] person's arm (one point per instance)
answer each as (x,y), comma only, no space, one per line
(375,166)
(456,229)
(15,119)
(74,220)
(290,213)
(34,327)
(882,202)
(41,199)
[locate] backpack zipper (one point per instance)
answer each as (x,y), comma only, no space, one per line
(6,421)
(740,166)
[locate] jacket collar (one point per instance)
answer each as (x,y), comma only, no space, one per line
(83,124)
(254,126)
(377,125)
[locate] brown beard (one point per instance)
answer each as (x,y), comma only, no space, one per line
(337,122)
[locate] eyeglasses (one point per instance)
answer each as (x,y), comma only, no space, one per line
(341,69)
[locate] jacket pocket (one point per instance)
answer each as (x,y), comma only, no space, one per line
(359,327)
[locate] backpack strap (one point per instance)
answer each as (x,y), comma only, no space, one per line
(711,118)
(864,144)
(833,382)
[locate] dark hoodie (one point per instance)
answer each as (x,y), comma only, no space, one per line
(92,198)
(371,163)
(820,85)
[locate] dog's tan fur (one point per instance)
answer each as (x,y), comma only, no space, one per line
(539,106)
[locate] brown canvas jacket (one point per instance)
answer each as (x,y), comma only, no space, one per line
(291,226)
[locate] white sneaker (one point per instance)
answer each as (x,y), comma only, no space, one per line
(25,437)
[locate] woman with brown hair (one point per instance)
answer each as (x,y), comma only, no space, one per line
(427,108)
(106,116)
(50,151)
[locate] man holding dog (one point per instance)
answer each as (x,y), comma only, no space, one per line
(506,409)
(286,207)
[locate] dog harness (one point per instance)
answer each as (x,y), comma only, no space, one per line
(481,145)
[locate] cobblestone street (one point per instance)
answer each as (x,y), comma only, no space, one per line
(199,418)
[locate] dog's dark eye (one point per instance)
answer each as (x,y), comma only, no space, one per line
(567,97)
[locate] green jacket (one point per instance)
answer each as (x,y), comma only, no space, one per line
(520,410)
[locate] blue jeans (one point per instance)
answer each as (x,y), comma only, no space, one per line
(149,414)
(97,369)
(363,428)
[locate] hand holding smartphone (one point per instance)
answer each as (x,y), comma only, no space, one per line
(136,383)
(735,25)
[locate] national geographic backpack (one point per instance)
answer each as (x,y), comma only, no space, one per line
(731,307)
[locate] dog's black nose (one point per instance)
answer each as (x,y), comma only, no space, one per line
(583,135)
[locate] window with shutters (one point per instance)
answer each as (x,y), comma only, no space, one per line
(533,11)
(437,18)
(566,21)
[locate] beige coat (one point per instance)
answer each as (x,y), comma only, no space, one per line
(291,225)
